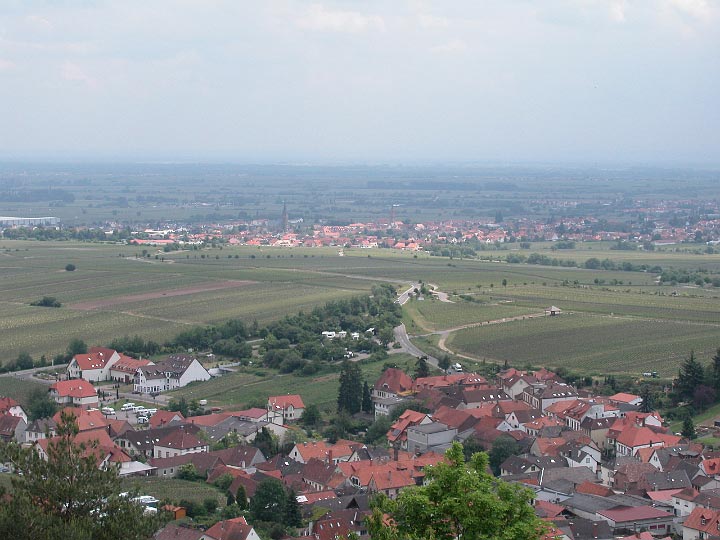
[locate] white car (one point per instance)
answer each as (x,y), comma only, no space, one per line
(127,406)
(108,410)
(142,420)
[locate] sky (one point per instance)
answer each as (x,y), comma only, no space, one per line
(392,81)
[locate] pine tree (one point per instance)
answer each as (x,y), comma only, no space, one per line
(367,404)
(688,429)
(421,368)
(351,388)
(689,378)
(647,405)
(716,371)
(293,516)
(241,497)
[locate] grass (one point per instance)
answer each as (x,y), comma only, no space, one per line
(247,388)
(590,344)
(173,490)
(433,315)
(19,389)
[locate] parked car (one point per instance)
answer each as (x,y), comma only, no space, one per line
(108,410)
(142,420)
(127,406)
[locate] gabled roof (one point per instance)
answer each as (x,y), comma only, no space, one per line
(624,397)
(8,425)
(129,365)
(177,532)
(230,529)
(75,388)
(284,402)
(7,403)
(180,439)
(624,514)
(95,358)
(162,418)
(85,419)
(394,380)
(633,436)
(703,519)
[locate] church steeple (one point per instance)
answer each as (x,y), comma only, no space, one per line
(284,218)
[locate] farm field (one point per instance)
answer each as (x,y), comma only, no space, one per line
(19,389)
(591,344)
(433,315)
(246,388)
(173,489)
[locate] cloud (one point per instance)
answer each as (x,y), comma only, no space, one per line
(451,47)
(36,21)
(697,9)
(432,21)
(74,73)
(320,19)
(617,11)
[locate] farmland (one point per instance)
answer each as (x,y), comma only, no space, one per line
(117,290)
(591,343)
(250,387)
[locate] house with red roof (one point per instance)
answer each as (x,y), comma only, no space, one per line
(286,408)
(163,418)
(625,398)
(179,442)
(96,443)
(397,434)
(12,428)
(9,406)
(633,438)
(231,529)
(327,453)
(700,524)
(86,420)
(94,365)
(124,369)
(390,389)
(74,393)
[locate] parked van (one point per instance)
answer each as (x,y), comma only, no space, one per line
(108,410)
(127,406)
(142,420)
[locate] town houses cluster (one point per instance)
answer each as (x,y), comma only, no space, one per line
(600,467)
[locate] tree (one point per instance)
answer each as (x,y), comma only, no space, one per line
(688,428)
(689,378)
(67,496)
(703,397)
(444,362)
(421,367)
(502,448)
(47,301)
(460,500)
(24,361)
(292,516)
(70,267)
(40,405)
(647,403)
(76,346)
(367,404)
(350,391)
(311,416)
(378,430)
(265,442)
(386,335)
(269,501)
(715,383)
(241,498)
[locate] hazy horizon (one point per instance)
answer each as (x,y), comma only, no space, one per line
(579,83)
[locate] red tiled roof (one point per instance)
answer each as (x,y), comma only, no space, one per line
(623,514)
(76,388)
(230,529)
(283,402)
(7,403)
(165,417)
(180,440)
(95,358)
(394,380)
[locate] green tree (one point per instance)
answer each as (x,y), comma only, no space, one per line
(502,448)
(421,367)
(461,500)
(444,362)
(67,496)
(367,404)
(265,442)
(715,377)
(350,390)
(269,501)
(188,472)
(70,267)
(40,405)
(311,416)
(292,516)
(647,402)
(241,498)
(24,361)
(377,432)
(76,346)
(690,377)
(386,335)
(688,428)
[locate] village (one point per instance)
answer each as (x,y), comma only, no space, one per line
(600,467)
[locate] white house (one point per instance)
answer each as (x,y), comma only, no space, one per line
(176,371)
(282,409)
(74,393)
(178,443)
(93,366)
(10,406)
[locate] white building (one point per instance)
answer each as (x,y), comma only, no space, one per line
(176,371)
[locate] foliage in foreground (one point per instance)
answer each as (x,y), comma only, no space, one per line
(67,497)
(461,500)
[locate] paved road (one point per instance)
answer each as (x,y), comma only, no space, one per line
(407,346)
(405,296)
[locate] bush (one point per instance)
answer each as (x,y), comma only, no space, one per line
(70,267)
(47,301)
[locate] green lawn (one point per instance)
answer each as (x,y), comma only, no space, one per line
(173,489)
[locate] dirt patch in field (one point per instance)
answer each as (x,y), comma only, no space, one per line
(126,299)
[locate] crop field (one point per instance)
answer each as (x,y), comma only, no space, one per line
(19,389)
(248,388)
(173,489)
(433,315)
(590,343)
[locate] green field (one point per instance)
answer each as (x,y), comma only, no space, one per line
(19,389)
(433,315)
(591,343)
(247,388)
(173,489)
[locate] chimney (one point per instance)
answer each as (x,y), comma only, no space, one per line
(330,457)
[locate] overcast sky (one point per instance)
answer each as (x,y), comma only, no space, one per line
(361,81)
